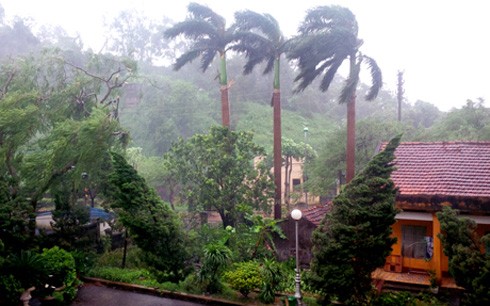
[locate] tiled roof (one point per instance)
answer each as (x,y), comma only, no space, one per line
(443,168)
(315,214)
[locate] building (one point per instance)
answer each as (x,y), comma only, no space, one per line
(430,175)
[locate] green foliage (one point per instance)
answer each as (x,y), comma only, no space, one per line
(324,170)
(187,111)
(471,122)
(53,268)
(152,224)
(244,277)
(113,258)
(70,220)
(59,265)
(404,298)
(215,259)
(130,275)
(469,266)
(354,238)
(15,214)
(272,275)
(216,171)
(263,230)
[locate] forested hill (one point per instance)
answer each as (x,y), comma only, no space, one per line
(157,105)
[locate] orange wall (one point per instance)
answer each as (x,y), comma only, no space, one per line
(415,263)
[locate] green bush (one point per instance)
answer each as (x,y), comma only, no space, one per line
(10,289)
(245,277)
(59,266)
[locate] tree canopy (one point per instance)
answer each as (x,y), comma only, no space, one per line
(217,171)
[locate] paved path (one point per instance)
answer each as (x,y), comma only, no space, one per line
(98,295)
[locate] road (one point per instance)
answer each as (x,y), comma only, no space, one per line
(99,295)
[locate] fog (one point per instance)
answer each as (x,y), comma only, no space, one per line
(439,45)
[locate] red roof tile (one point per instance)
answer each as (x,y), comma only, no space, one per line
(443,168)
(315,214)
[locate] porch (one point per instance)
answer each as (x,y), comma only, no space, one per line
(414,280)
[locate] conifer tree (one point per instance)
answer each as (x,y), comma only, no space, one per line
(355,237)
(469,266)
(151,222)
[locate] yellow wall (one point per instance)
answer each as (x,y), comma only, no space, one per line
(438,262)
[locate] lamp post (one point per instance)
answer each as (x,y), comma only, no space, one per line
(296,215)
(305,131)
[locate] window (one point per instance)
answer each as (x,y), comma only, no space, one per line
(415,242)
(296,182)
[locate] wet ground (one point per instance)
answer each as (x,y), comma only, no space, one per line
(99,295)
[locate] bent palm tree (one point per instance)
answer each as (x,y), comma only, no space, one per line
(328,36)
(259,37)
(210,37)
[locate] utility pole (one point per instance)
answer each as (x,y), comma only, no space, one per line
(400,92)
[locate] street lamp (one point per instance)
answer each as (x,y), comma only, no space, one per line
(296,215)
(305,131)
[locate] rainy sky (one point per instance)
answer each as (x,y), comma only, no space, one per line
(442,46)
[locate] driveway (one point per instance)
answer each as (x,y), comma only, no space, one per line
(99,295)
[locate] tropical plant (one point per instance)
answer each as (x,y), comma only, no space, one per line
(260,38)
(328,36)
(272,275)
(355,237)
(216,257)
(210,37)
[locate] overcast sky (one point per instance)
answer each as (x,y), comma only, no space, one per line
(442,46)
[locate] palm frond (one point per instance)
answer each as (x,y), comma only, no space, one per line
(326,18)
(207,57)
(333,66)
(350,86)
(187,58)
(265,24)
(192,29)
(376,78)
(200,11)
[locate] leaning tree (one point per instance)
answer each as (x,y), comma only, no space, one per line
(328,36)
(210,37)
(354,238)
(259,37)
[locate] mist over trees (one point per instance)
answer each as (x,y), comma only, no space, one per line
(64,107)
(159,105)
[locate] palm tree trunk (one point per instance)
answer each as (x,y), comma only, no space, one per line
(351,139)
(276,100)
(225,104)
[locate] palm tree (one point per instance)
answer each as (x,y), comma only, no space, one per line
(210,37)
(328,36)
(259,37)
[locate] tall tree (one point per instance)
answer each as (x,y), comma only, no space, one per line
(260,38)
(210,37)
(355,237)
(328,36)
(217,171)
